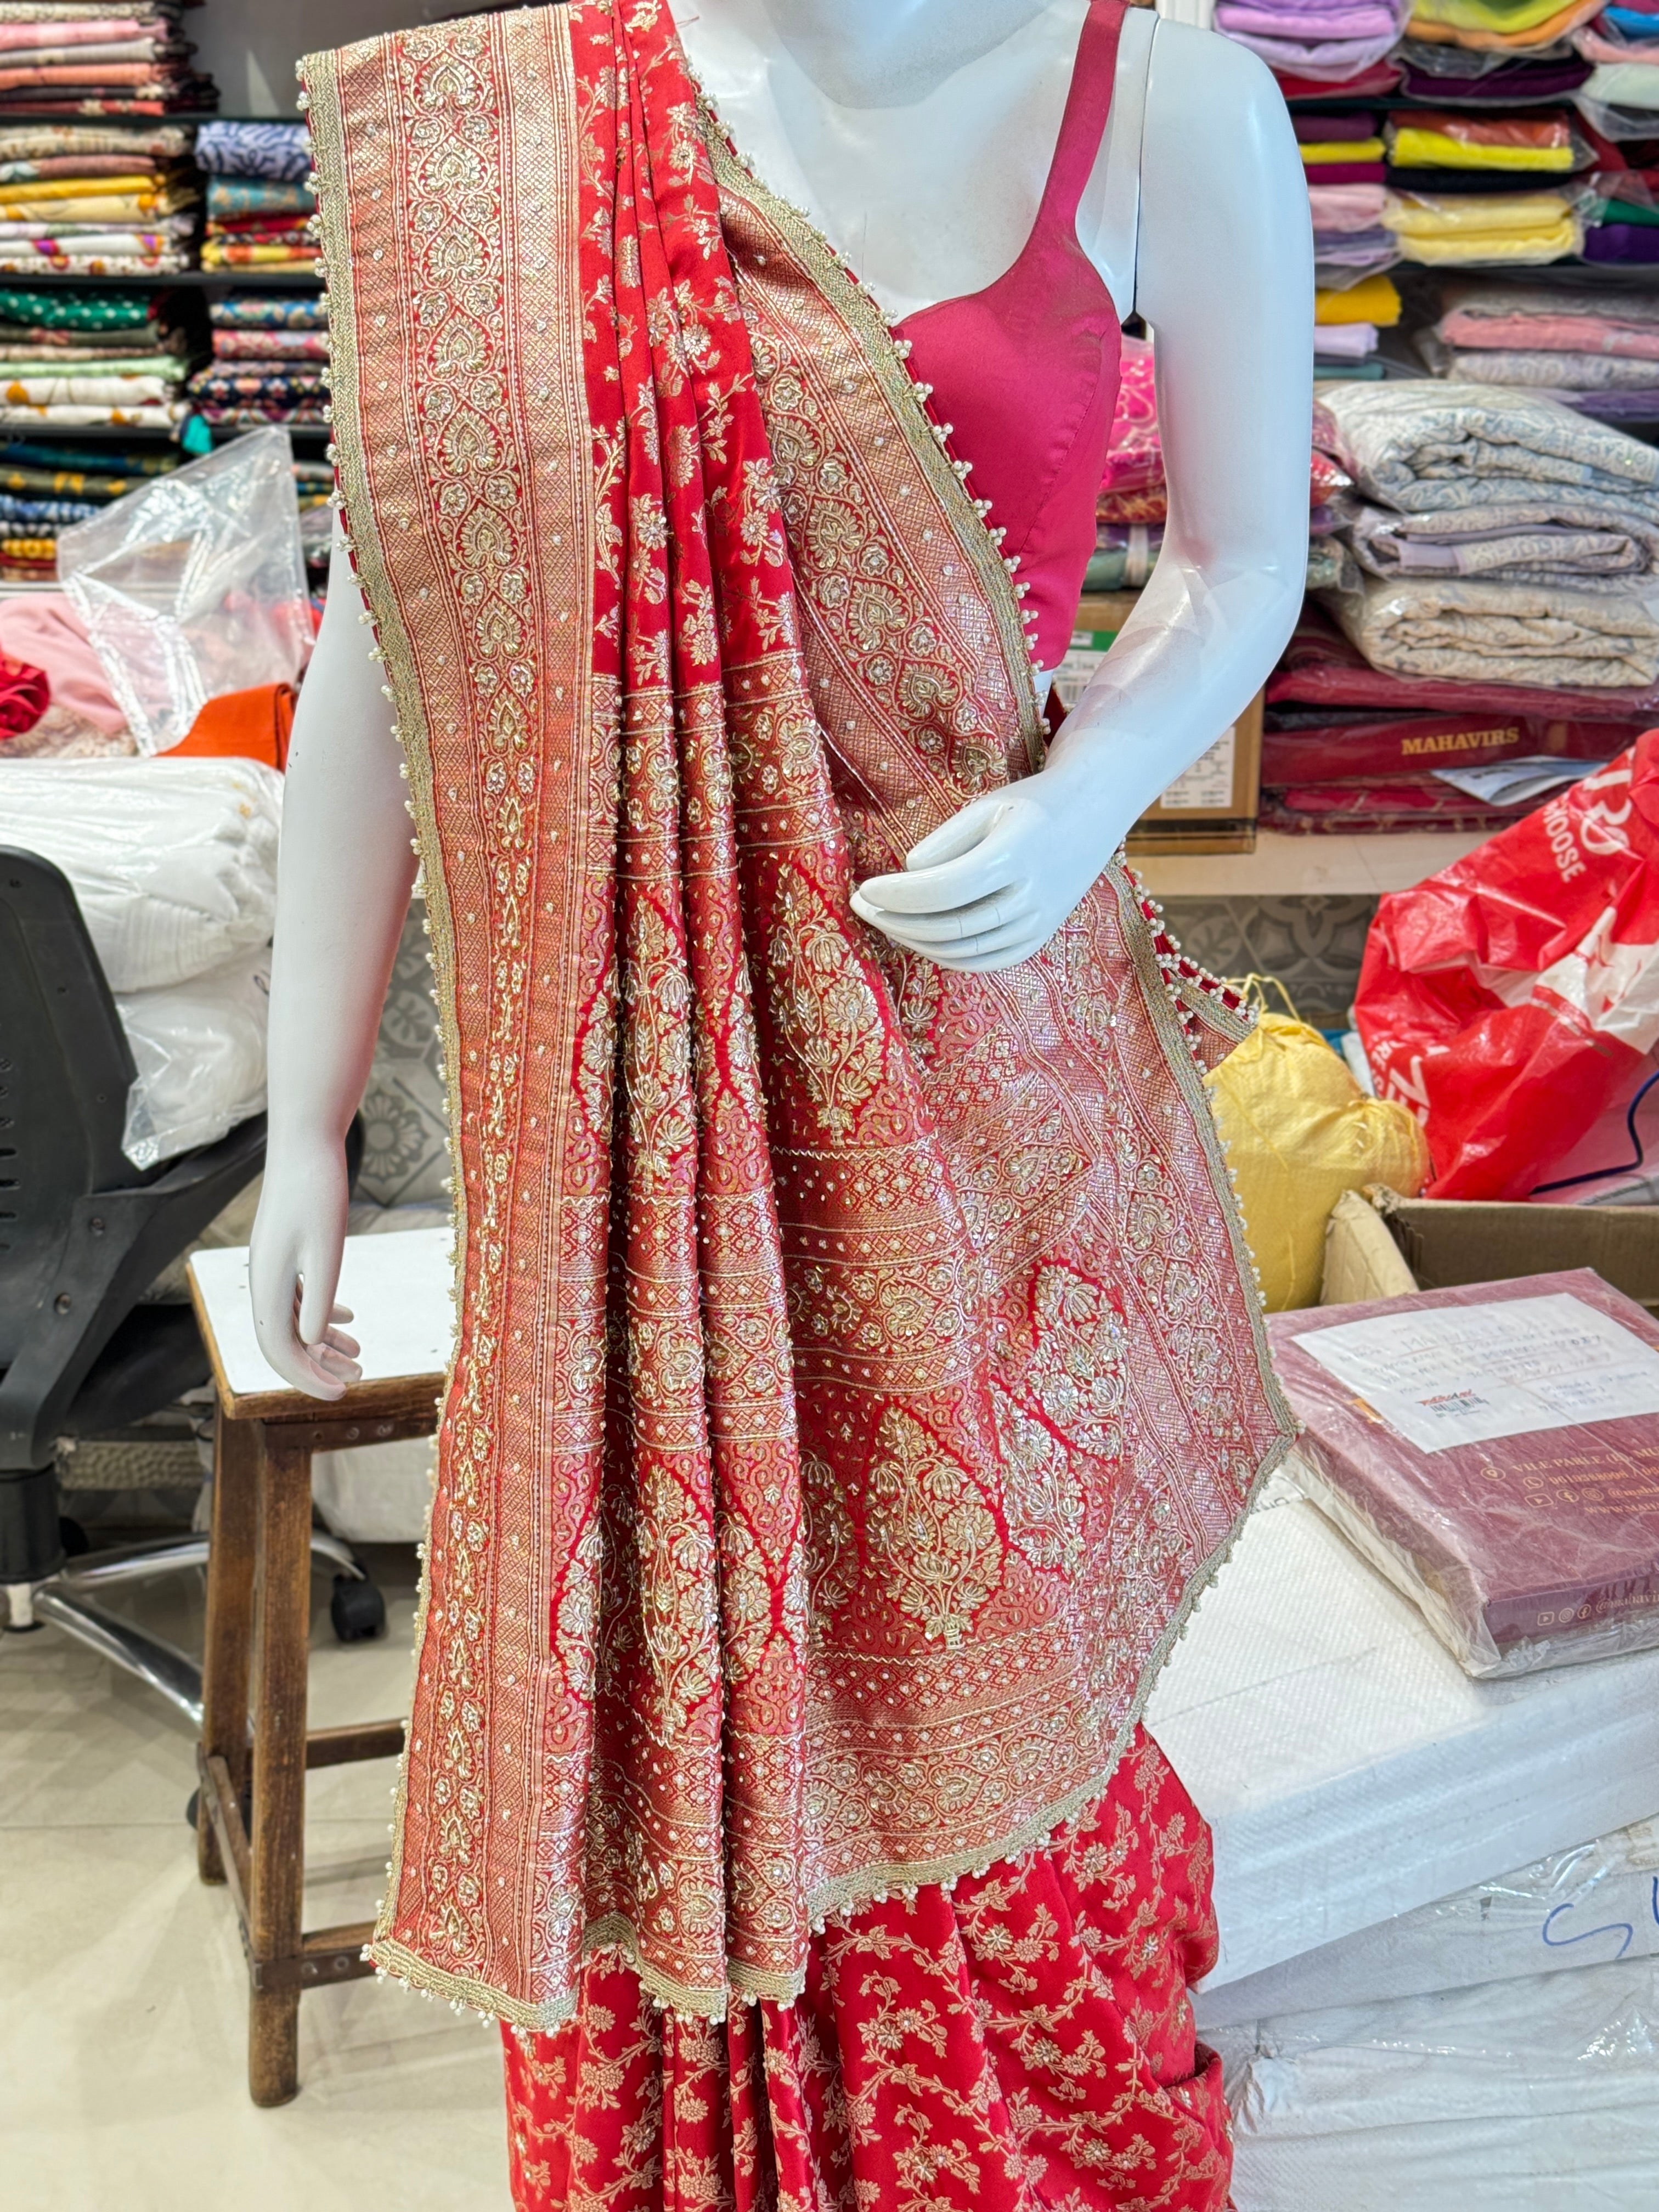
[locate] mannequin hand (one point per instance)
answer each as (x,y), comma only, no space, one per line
(992,885)
(293,1265)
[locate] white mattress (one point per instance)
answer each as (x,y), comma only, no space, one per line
(1593,1905)
(1522,2096)
(1348,1767)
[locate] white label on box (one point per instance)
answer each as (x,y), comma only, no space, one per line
(1087,650)
(1209,781)
(1446,1375)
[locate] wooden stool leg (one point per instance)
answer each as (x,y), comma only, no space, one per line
(229,1642)
(276,1873)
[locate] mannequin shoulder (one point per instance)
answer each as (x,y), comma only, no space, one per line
(1185,103)
(1211,100)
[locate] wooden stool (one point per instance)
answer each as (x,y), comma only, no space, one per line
(258,1608)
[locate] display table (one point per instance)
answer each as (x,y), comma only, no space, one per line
(253,1756)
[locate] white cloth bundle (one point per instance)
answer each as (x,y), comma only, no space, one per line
(173,862)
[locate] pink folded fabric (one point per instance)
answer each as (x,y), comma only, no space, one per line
(1595,47)
(108,74)
(95,30)
(1331,129)
(1549,334)
(43,629)
(1346,207)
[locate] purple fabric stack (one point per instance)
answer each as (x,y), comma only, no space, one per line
(1326,41)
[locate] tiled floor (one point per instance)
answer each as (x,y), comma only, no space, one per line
(123,2004)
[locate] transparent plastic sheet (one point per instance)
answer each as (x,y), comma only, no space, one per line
(194,585)
(199,1047)
(1518,2096)
(173,862)
(1526,1539)
(1593,1905)
(1621,101)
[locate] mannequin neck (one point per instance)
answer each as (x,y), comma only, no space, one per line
(869,53)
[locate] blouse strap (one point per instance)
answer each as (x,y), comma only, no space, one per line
(1088,105)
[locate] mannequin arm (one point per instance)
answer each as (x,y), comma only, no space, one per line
(344,875)
(1225,276)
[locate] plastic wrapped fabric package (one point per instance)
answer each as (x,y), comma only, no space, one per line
(173,863)
(1519,2096)
(1493,1451)
(194,585)
(1299,1132)
(1349,1770)
(1590,1906)
(199,1049)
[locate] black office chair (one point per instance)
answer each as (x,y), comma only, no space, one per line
(84,1233)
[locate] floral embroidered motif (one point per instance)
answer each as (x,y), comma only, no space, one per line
(935,1536)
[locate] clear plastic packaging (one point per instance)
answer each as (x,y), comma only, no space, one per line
(199,1049)
(1491,1450)
(1515,2096)
(1590,1906)
(195,585)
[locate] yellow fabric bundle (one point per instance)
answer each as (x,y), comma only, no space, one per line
(1376,299)
(1415,148)
(1341,149)
(117,209)
(1494,31)
(69,188)
(1524,227)
(1299,1132)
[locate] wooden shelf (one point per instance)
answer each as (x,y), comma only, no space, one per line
(1284,867)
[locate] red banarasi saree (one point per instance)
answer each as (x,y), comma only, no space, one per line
(856,1375)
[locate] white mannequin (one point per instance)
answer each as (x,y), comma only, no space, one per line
(917,135)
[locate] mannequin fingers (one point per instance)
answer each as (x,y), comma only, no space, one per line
(338,1312)
(947,932)
(313,1302)
(975,875)
(337,1340)
(993,948)
(958,835)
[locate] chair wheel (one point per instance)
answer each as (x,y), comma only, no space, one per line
(193,1808)
(356,1609)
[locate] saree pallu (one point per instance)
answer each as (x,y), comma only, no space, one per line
(856,1377)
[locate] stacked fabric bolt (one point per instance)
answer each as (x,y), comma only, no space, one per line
(44,488)
(1624,217)
(1347,319)
(71,359)
(95,199)
(1515,28)
(1350,748)
(1342,156)
(1503,537)
(1621,92)
(269,360)
(88,57)
(1435,153)
(1318,41)
(1436,73)
(259,205)
(1597,351)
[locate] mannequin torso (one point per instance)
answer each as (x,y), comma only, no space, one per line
(917,135)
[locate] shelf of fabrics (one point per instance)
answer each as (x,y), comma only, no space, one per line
(137,350)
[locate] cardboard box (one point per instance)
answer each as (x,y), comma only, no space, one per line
(1211,808)
(1445,1242)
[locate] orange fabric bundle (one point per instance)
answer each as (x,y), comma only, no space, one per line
(248,725)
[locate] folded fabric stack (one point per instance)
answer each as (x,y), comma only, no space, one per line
(1342,156)
(1504,536)
(259,205)
(1487,81)
(68,360)
(1624,217)
(1621,45)
(1515,28)
(1596,351)
(1347,319)
(44,487)
(87,199)
(90,58)
(1318,41)
(269,360)
(1353,749)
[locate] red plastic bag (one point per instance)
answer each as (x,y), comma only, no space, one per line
(1510,999)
